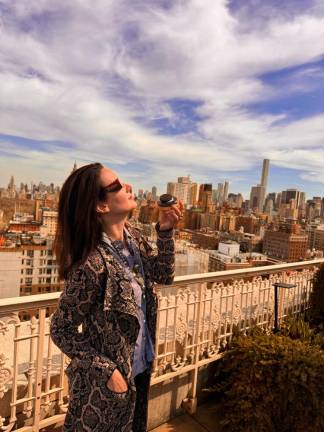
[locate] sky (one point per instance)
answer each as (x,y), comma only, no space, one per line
(159,89)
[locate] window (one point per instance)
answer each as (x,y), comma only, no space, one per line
(50,253)
(30,253)
(21,271)
(29,271)
(49,271)
(48,280)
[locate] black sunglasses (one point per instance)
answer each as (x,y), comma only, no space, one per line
(115,186)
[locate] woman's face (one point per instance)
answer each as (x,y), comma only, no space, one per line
(118,201)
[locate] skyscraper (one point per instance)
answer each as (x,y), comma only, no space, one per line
(184,180)
(226,186)
(75,167)
(215,196)
(12,187)
(257,198)
(265,173)
(271,197)
(180,189)
(258,193)
(264,182)
(205,196)
(154,192)
(140,193)
(193,195)
(322,208)
(290,194)
(171,188)
(220,192)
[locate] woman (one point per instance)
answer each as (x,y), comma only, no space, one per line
(106,316)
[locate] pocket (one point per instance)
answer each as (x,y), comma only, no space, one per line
(111,393)
(118,394)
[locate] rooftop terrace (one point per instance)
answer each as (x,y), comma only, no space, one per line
(197,316)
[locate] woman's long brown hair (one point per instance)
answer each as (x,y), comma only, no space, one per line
(79,227)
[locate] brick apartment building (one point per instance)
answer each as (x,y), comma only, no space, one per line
(287,244)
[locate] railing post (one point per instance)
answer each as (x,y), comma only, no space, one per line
(278,285)
(189,404)
(39,368)
(276,318)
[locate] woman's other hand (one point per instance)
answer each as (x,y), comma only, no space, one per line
(117,383)
(169,217)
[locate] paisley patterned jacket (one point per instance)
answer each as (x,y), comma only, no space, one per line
(96,325)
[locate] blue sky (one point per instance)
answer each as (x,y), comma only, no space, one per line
(301,91)
(207,88)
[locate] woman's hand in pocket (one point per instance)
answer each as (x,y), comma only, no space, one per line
(117,383)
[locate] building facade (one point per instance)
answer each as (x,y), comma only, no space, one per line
(28,269)
(288,245)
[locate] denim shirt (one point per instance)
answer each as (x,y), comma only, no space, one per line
(144,350)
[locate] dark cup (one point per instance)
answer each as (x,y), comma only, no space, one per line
(167,200)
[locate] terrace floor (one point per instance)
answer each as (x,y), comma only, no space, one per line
(206,419)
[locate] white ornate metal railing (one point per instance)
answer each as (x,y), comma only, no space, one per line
(197,317)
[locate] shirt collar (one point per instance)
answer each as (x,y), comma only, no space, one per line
(108,241)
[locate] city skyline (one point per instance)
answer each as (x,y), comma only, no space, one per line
(206,88)
(264,175)
(138,185)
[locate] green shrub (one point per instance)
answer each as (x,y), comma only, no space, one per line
(296,328)
(317,299)
(272,384)
(318,339)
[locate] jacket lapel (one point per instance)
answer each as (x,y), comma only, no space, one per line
(119,295)
(143,248)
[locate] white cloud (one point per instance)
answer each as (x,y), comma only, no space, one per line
(84,72)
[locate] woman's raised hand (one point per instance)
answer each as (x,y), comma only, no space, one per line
(169,217)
